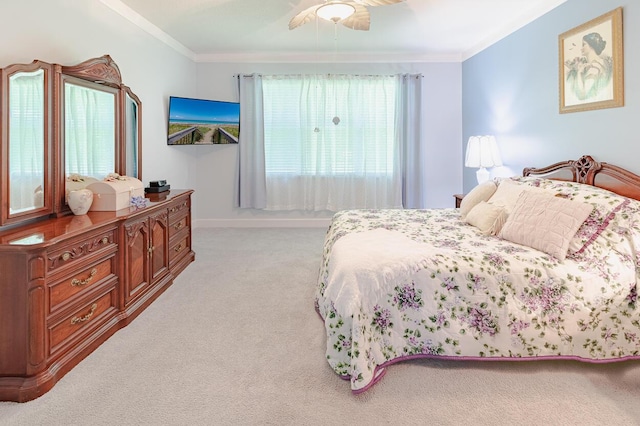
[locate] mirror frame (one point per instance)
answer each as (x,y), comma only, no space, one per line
(6,217)
(95,73)
(127,93)
(100,73)
(118,155)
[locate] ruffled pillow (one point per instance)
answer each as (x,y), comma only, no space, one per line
(482,192)
(488,218)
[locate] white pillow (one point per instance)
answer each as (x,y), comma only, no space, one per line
(545,222)
(488,218)
(481,192)
(507,194)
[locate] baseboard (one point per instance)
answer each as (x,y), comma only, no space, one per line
(262,223)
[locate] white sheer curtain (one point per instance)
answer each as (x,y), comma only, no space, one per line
(26,140)
(329,142)
(89,131)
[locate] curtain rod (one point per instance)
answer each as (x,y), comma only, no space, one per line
(328,74)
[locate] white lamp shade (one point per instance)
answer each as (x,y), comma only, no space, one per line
(482,151)
(335,11)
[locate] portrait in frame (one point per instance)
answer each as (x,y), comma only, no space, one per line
(591,64)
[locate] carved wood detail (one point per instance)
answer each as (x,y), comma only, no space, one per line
(85,248)
(134,228)
(101,70)
(588,171)
(162,217)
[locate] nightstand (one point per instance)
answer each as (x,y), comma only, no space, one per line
(458,198)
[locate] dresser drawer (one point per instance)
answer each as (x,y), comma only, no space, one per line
(179,248)
(71,287)
(178,208)
(68,254)
(178,224)
(82,320)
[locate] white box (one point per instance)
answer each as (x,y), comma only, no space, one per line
(116,194)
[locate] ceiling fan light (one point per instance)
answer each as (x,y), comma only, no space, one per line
(335,11)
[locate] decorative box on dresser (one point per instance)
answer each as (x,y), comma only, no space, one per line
(67,283)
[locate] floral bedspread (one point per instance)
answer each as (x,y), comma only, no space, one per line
(465,295)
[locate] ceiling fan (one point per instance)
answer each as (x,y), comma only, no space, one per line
(351,14)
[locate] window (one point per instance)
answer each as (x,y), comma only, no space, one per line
(329,125)
(336,134)
(330,142)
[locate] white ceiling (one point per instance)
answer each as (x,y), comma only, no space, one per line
(257,30)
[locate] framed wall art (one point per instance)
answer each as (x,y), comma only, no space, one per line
(592,64)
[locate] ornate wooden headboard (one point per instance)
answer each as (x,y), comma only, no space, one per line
(587,170)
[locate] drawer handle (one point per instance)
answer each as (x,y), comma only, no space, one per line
(76,320)
(105,240)
(178,207)
(178,225)
(78,283)
(178,248)
(65,256)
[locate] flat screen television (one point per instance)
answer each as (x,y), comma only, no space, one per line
(202,122)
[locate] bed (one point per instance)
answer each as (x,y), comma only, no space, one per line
(547,270)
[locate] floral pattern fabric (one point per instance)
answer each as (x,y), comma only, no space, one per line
(474,296)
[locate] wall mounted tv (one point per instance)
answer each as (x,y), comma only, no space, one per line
(202,122)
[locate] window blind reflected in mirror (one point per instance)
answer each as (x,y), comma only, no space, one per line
(89,131)
(26,141)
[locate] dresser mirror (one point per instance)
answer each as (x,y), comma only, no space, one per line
(26,135)
(26,142)
(90,118)
(80,121)
(132,134)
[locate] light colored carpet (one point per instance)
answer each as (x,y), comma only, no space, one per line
(236,340)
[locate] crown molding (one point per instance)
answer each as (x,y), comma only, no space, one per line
(347,57)
(141,22)
(503,32)
(306,57)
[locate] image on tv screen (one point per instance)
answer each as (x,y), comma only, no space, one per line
(202,122)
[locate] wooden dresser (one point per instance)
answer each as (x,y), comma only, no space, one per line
(68,283)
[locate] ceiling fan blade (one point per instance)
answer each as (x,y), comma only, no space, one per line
(377,2)
(304,17)
(360,20)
